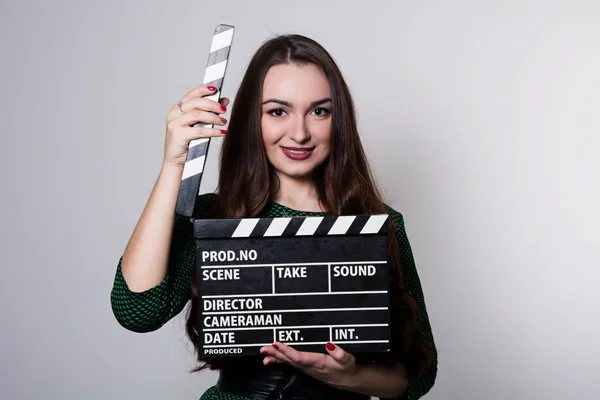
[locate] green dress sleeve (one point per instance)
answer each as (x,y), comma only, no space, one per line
(422,385)
(151,309)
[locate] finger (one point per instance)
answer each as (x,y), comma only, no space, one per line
(194,116)
(272,360)
(339,355)
(198,91)
(203,104)
(196,104)
(300,358)
(273,351)
(202,133)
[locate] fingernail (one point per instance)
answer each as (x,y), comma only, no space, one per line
(264,352)
(211,88)
(330,346)
(223,108)
(275,346)
(223,131)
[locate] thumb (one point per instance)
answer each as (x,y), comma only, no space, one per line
(224,101)
(339,354)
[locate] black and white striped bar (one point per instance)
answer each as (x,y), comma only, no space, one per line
(301,280)
(292,226)
(198,148)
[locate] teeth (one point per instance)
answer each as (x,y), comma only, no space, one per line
(297,151)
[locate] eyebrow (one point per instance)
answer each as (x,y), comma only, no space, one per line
(287,104)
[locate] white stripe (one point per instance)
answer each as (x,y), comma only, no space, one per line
(374,224)
(221,40)
(250,328)
(244,229)
(341,225)
(224,296)
(293,343)
(215,72)
(273,279)
(197,142)
(277,226)
(290,264)
(193,167)
(296,310)
(309,226)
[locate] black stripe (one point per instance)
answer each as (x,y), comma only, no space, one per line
(325,226)
(218,56)
(261,227)
(216,83)
(293,226)
(188,190)
(357,225)
(385,228)
(211,228)
(197,151)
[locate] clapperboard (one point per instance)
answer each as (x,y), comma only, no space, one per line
(303,281)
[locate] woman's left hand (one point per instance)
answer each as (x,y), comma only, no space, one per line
(336,367)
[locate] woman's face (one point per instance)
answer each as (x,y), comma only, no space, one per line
(296,119)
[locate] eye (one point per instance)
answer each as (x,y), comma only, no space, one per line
(278,112)
(321,111)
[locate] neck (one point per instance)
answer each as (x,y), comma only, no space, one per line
(299,194)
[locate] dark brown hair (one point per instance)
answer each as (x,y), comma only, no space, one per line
(344,182)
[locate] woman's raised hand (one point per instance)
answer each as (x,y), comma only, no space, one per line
(192,108)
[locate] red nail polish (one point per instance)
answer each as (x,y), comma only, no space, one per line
(275,346)
(264,352)
(223,131)
(211,88)
(330,346)
(223,108)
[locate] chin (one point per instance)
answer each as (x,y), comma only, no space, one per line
(296,171)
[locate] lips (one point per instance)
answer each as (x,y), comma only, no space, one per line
(297,153)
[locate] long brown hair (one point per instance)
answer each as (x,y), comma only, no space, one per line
(345,184)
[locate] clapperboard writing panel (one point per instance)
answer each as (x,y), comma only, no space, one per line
(303,281)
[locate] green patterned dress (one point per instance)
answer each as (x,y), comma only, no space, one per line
(149,310)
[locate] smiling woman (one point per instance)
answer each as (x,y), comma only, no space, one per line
(296,121)
(292,149)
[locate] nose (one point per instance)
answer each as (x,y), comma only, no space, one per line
(299,132)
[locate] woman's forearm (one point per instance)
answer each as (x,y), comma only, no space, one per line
(378,381)
(146,254)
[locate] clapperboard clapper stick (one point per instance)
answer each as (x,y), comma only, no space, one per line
(303,281)
(196,158)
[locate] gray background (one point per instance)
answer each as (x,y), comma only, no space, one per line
(481,121)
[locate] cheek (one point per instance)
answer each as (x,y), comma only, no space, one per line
(321,132)
(271,131)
